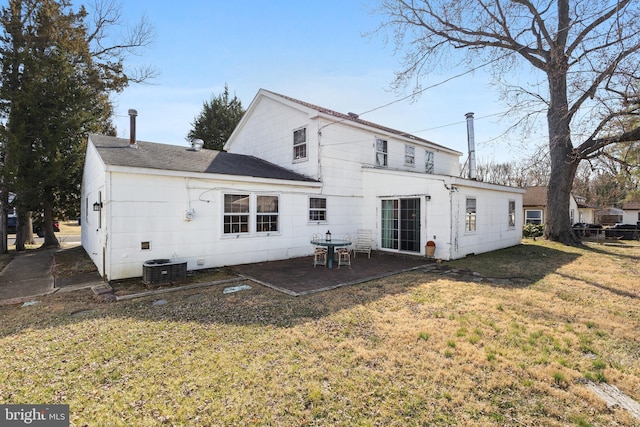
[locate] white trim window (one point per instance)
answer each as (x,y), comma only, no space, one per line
(317,209)
(381,152)
(300,144)
(428,161)
(236,213)
(409,155)
(267,214)
(533,216)
(471,214)
(512,213)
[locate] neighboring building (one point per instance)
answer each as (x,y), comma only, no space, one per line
(631,212)
(586,211)
(292,169)
(609,216)
(534,204)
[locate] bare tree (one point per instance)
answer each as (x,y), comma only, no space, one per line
(586,51)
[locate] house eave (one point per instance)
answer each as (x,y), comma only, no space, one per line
(212,176)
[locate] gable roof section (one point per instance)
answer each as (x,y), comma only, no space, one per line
(631,206)
(116,152)
(535,196)
(340,117)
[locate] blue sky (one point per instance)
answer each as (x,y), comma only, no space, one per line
(312,51)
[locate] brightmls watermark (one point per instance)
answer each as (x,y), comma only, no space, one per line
(34,415)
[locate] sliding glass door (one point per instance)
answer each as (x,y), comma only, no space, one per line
(401,224)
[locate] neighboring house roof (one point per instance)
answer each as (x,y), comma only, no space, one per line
(631,206)
(117,152)
(535,196)
(351,117)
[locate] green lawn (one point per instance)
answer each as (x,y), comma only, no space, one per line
(410,350)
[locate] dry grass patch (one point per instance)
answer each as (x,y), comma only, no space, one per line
(414,349)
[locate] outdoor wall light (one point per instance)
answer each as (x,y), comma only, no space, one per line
(97,206)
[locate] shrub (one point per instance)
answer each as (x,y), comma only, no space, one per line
(532,230)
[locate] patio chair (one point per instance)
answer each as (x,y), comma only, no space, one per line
(363,242)
(344,257)
(319,252)
(319,257)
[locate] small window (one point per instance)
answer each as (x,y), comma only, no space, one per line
(533,216)
(317,209)
(512,213)
(236,213)
(428,161)
(409,155)
(300,144)
(381,152)
(470,221)
(267,214)
(145,246)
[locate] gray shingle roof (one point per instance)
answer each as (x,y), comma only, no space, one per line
(116,151)
(355,118)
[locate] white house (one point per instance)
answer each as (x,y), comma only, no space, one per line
(631,212)
(535,207)
(291,169)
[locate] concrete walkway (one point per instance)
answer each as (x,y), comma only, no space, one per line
(27,276)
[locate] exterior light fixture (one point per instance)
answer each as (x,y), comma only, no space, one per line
(97,206)
(328,236)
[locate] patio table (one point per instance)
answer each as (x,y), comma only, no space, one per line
(331,245)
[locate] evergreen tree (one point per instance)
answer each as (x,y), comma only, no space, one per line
(56,77)
(216,122)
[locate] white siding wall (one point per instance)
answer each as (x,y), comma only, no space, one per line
(630,216)
(269,136)
(492,216)
(151,208)
(386,184)
(93,184)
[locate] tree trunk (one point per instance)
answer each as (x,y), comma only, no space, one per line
(50,238)
(21,230)
(29,231)
(4,210)
(564,162)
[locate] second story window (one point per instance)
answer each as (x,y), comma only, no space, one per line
(409,155)
(428,161)
(300,144)
(381,152)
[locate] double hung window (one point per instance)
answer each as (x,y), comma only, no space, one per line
(300,144)
(317,209)
(428,161)
(381,152)
(470,218)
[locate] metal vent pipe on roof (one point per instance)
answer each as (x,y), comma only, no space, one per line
(472,146)
(132,127)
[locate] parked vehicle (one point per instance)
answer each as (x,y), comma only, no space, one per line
(583,229)
(623,231)
(12,224)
